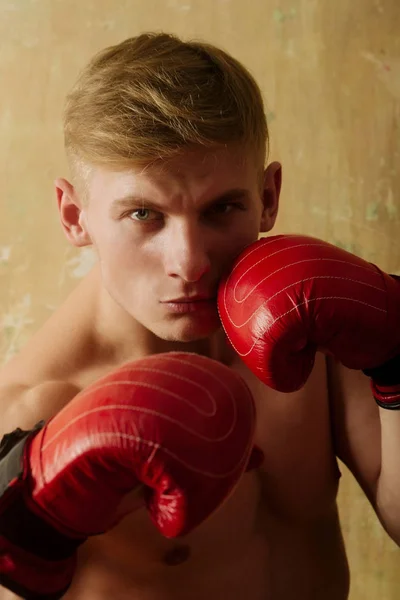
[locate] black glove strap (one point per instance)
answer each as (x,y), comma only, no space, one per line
(11,450)
(18,524)
(387,374)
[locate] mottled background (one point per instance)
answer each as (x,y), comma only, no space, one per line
(330,74)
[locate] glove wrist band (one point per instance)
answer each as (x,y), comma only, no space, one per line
(385,383)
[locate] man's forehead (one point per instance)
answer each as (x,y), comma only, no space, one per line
(224,166)
(199,162)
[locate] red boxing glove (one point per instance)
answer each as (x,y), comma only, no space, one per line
(289,295)
(180,424)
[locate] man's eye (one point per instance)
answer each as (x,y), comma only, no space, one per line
(144,215)
(225,208)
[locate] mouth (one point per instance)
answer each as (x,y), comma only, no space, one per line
(190,304)
(190,299)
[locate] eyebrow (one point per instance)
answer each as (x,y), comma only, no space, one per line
(131,200)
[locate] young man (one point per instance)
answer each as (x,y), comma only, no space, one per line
(167,146)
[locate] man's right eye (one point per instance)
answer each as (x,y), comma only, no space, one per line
(144,215)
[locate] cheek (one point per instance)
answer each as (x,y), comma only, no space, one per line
(112,240)
(246,232)
(232,246)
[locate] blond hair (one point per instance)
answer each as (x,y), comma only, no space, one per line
(151,96)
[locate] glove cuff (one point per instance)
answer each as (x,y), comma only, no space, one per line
(36,561)
(385,383)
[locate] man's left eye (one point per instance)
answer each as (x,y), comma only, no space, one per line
(224,208)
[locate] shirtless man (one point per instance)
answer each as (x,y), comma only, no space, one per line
(167,142)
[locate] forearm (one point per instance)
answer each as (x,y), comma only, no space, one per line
(388,485)
(385,387)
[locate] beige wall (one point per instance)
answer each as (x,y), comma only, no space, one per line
(330,72)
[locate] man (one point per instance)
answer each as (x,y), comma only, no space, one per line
(167,145)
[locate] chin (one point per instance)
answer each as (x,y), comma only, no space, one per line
(189,332)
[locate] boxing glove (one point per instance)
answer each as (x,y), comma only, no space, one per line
(287,296)
(179,425)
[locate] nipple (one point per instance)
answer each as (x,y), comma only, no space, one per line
(177,555)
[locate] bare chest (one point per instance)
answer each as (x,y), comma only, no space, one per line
(299,477)
(282,514)
(297,481)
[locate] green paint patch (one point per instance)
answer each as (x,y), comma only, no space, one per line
(8,332)
(371,213)
(345,246)
(280,17)
(391,208)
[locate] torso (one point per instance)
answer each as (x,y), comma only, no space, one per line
(276,538)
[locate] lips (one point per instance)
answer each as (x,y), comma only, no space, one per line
(195,305)
(190,299)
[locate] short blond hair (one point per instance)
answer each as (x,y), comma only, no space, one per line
(151,96)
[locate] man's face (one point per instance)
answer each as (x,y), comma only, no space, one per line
(165,235)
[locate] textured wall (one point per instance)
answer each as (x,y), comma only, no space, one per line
(330,73)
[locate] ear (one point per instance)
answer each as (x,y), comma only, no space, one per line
(271,192)
(72,214)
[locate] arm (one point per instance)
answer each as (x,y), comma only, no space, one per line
(23,406)
(367,440)
(289,295)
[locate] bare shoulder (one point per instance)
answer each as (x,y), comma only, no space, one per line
(40,380)
(61,346)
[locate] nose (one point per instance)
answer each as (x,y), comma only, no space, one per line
(185,254)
